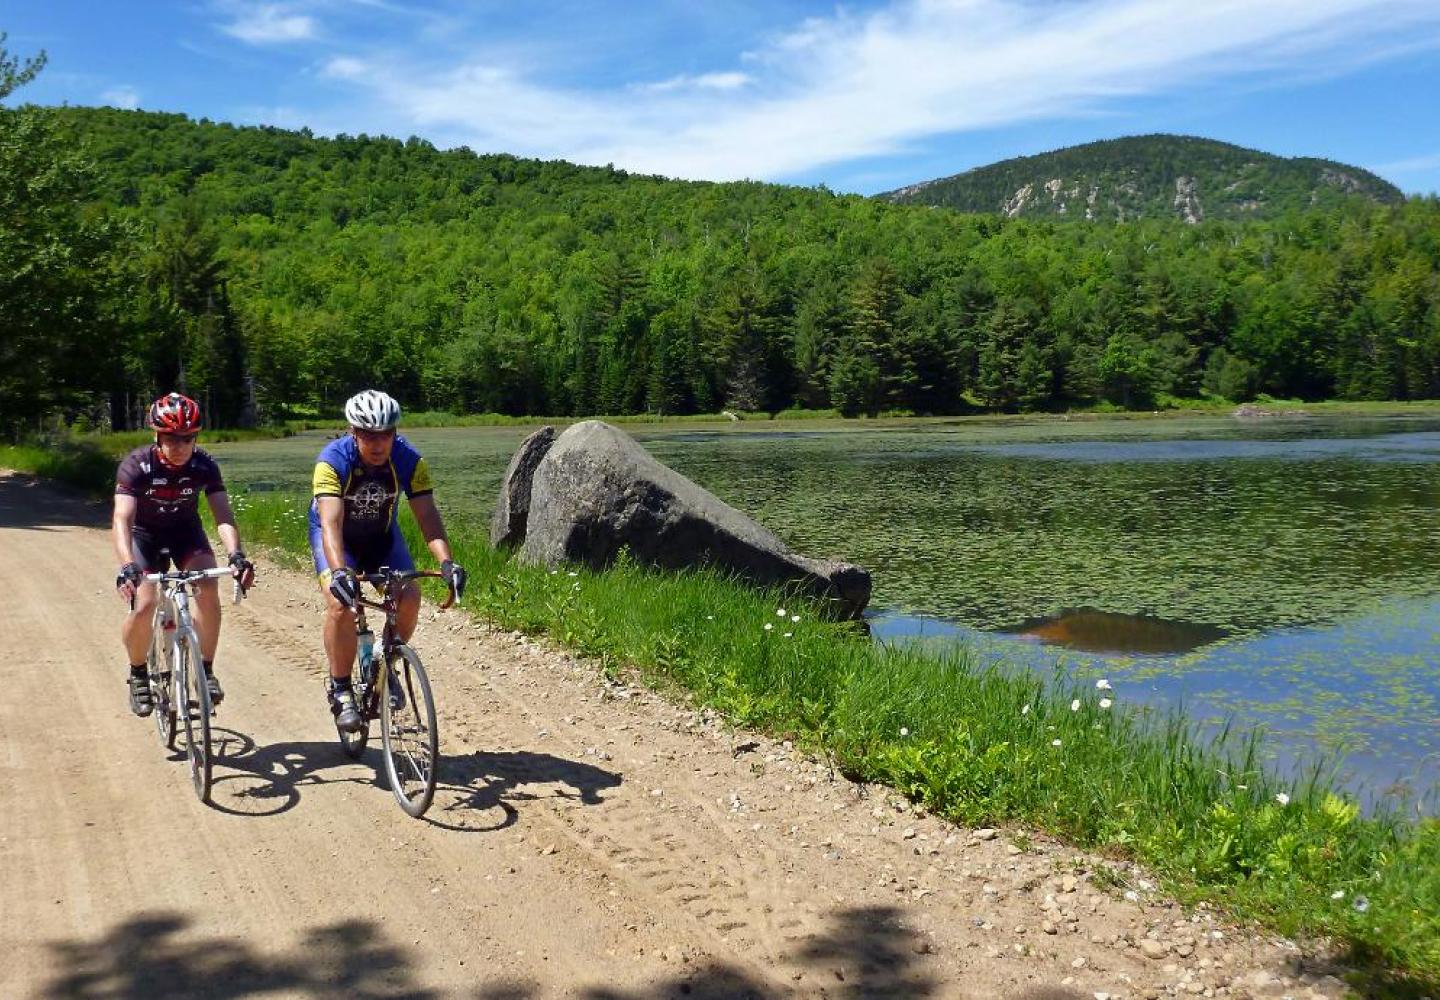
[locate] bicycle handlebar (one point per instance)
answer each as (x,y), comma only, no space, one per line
(387,575)
(191,576)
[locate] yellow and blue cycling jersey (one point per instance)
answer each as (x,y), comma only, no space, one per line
(371,496)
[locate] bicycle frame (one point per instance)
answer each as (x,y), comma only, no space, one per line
(410,739)
(388,581)
(180,687)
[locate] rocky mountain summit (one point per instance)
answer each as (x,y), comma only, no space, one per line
(1151,177)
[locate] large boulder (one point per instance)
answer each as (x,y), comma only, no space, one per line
(596,492)
(507,526)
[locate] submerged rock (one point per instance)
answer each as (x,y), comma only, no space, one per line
(596,491)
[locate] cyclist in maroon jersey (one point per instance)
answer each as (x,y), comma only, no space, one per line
(157,522)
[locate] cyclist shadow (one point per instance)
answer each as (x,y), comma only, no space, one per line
(254,780)
(477,792)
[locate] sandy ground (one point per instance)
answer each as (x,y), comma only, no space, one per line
(589,839)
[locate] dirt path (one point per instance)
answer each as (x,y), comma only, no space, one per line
(589,840)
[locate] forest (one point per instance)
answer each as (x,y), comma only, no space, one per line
(271,273)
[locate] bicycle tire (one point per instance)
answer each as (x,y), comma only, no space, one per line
(409,736)
(354,743)
(158,664)
(190,673)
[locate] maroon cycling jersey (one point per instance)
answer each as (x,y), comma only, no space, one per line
(166,498)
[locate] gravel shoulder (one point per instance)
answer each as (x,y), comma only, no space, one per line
(589,839)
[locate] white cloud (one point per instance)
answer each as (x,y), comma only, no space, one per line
(345,68)
(1410,165)
(705,81)
(123,96)
(851,86)
(268,24)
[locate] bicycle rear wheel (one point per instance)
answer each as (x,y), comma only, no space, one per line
(193,697)
(409,735)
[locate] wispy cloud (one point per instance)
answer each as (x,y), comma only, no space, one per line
(268,23)
(854,85)
(705,81)
(123,96)
(1410,165)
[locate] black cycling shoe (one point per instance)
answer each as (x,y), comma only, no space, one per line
(141,702)
(342,706)
(217,693)
(397,692)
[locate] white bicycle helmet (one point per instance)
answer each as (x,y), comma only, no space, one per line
(372,410)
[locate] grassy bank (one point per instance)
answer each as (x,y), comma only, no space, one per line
(982,746)
(88,461)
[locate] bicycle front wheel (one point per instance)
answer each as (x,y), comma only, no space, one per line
(408,733)
(160,687)
(193,701)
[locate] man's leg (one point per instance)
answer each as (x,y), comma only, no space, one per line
(136,629)
(205,610)
(339,633)
(206,605)
(409,611)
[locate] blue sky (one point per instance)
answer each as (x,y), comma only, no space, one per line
(861,97)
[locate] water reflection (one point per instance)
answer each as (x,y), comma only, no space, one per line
(1093,631)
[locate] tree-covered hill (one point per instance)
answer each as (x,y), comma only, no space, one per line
(1151,177)
(260,268)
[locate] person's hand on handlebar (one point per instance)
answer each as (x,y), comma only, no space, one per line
(242,569)
(345,586)
(127,582)
(455,577)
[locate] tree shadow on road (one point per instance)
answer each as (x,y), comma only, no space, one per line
(28,502)
(475,786)
(866,953)
(151,956)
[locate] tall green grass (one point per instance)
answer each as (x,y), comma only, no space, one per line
(983,746)
(88,461)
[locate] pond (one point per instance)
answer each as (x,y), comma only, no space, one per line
(1277,570)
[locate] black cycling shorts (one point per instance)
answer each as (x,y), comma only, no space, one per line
(155,551)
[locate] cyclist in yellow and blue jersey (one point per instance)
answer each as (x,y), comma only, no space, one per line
(359,479)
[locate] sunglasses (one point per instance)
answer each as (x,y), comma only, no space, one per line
(374,436)
(179,438)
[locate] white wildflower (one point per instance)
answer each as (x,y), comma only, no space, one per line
(779,612)
(1025,710)
(904,731)
(768,626)
(1106,703)
(1282,798)
(1102,685)
(789,634)
(1075,705)
(1338,894)
(1361,904)
(1054,743)
(794,618)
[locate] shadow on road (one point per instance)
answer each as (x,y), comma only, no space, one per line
(151,956)
(154,956)
(28,502)
(866,953)
(477,791)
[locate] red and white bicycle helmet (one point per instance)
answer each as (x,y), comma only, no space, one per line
(175,414)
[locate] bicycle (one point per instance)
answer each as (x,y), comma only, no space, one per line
(177,676)
(391,685)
